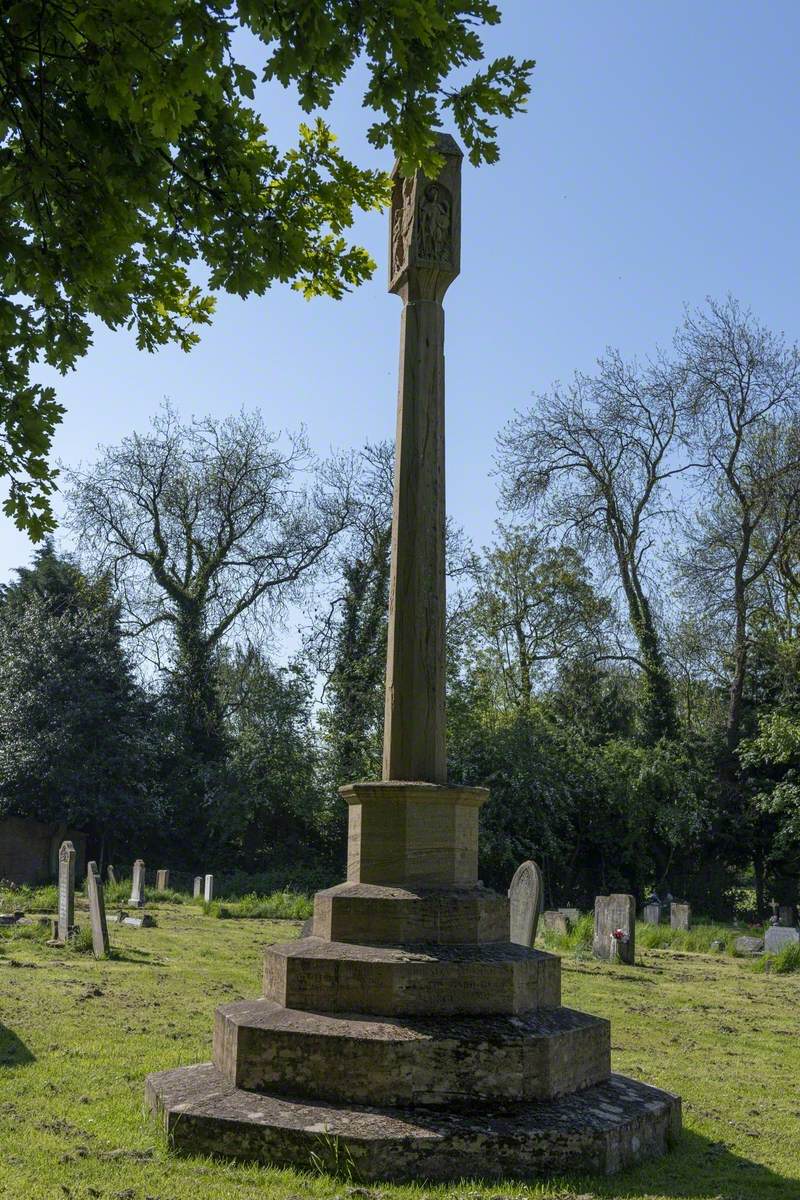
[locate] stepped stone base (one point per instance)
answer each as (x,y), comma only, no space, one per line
(598,1130)
(453,1061)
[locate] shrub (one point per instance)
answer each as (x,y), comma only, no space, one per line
(785,962)
(277,906)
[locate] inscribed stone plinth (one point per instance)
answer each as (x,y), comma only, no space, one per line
(786,915)
(778,936)
(137,884)
(615,914)
(97,911)
(409,992)
(652,914)
(208,889)
(66,890)
(198,886)
(162,881)
(111,874)
(555,921)
(525,895)
(680,915)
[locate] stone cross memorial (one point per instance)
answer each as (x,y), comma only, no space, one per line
(66,891)
(97,911)
(525,895)
(680,915)
(615,928)
(162,881)
(408,1035)
(137,885)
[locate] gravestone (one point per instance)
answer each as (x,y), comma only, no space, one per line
(652,914)
(778,936)
(137,884)
(66,891)
(408,1036)
(208,889)
(162,881)
(111,875)
(97,911)
(198,886)
(555,921)
(748,947)
(786,915)
(615,915)
(680,915)
(573,915)
(525,895)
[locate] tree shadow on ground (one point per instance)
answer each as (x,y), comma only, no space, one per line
(698,1167)
(13,1051)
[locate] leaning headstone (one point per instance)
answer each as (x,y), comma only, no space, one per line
(97,911)
(555,921)
(748,946)
(652,914)
(66,890)
(573,915)
(208,889)
(137,884)
(615,928)
(680,915)
(525,895)
(111,875)
(786,916)
(778,936)
(198,886)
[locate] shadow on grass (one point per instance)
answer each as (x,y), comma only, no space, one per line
(13,1051)
(698,1167)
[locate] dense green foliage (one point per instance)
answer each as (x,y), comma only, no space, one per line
(131,147)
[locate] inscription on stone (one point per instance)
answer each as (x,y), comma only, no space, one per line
(97,911)
(525,895)
(66,890)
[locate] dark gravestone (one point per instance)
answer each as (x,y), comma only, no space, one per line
(525,895)
(615,928)
(680,915)
(778,936)
(66,890)
(652,914)
(786,915)
(97,911)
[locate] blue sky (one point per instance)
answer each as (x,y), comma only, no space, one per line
(659,162)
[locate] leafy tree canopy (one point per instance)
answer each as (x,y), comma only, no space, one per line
(130,148)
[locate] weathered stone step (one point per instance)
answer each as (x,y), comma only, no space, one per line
(547,1053)
(598,1131)
(371,915)
(431,980)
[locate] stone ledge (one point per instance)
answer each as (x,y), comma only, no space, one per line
(368,914)
(599,1131)
(262,1047)
(422,980)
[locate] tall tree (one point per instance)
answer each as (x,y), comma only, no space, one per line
(131,147)
(205,525)
(593,461)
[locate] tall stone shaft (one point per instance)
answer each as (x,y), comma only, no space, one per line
(424,259)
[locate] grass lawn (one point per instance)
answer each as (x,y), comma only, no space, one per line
(77,1038)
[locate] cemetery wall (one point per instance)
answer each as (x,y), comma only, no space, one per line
(29,850)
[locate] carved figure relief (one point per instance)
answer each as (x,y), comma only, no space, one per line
(434,227)
(402,225)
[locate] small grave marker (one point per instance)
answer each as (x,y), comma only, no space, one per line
(680,915)
(111,875)
(555,921)
(162,881)
(198,886)
(97,911)
(208,890)
(525,895)
(778,936)
(573,915)
(652,913)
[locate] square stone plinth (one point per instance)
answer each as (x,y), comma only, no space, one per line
(413,834)
(371,915)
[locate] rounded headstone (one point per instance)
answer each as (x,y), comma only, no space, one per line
(525,895)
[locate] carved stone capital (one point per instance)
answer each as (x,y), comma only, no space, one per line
(425,229)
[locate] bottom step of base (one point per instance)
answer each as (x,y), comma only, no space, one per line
(599,1130)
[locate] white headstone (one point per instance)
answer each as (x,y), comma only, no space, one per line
(208,890)
(525,895)
(137,884)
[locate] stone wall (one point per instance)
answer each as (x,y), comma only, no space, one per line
(29,850)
